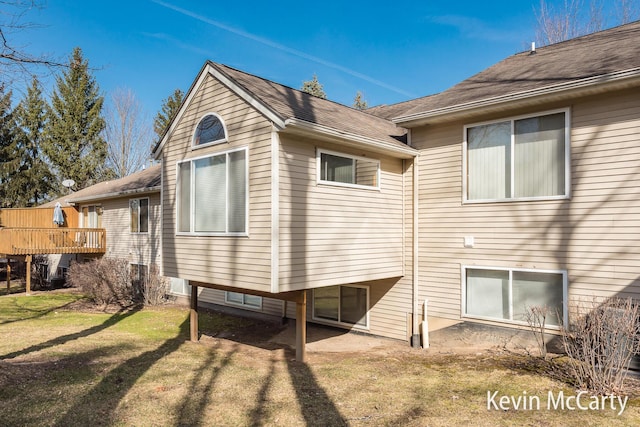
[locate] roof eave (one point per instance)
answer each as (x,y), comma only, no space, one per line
(314,130)
(114,195)
(572,89)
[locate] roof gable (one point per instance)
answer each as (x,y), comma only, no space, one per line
(287,107)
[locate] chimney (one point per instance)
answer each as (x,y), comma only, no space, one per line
(533,47)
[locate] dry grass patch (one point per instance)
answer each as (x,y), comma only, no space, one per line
(70,368)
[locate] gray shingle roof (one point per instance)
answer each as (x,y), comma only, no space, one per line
(289,103)
(147,180)
(613,50)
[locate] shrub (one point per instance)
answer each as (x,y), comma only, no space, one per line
(601,342)
(104,281)
(154,287)
(536,317)
(109,281)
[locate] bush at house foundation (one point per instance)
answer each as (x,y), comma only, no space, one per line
(602,342)
(109,281)
(105,281)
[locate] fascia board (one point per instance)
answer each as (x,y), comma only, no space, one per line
(302,127)
(574,88)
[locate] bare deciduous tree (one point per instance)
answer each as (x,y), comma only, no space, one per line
(627,11)
(128,133)
(556,24)
(574,18)
(15,60)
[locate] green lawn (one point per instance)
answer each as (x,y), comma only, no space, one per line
(62,367)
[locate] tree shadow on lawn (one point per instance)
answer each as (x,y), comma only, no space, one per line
(316,405)
(100,403)
(192,410)
(117,317)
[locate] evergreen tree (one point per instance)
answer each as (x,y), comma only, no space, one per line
(313,87)
(10,154)
(170,107)
(359,103)
(34,176)
(74,142)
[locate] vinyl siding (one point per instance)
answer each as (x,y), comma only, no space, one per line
(270,306)
(243,262)
(332,235)
(389,304)
(137,248)
(593,235)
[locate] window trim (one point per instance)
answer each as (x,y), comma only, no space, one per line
(148,216)
(178,185)
(195,146)
(320,151)
(243,304)
(185,285)
(321,320)
(511,270)
(512,119)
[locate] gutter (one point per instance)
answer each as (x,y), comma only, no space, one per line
(606,81)
(303,127)
(114,195)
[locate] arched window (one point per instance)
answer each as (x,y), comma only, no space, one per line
(210,130)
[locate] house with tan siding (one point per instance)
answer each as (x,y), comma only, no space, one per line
(518,187)
(128,209)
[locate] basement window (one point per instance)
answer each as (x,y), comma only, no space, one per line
(344,305)
(507,294)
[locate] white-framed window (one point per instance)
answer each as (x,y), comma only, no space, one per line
(506,294)
(209,131)
(179,286)
(522,158)
(245,300)
(343,304)
(212,194)
(347,170)
(139,214)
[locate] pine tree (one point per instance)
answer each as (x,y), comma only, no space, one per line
(10,154)
(35,177)
(359,103)
(313,87)
(170,107)
(74,142)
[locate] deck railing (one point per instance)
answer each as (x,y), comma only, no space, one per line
(25,241)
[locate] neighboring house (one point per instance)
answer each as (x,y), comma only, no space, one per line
(129,210)
(520,186)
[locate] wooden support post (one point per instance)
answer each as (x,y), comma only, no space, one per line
(28,259)
(301,328)
(193,317)
(8,276)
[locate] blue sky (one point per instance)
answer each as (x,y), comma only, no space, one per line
(390,51)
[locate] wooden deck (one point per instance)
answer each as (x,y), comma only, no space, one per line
(32,241)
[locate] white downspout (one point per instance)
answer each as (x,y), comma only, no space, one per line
(415,339)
